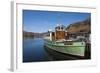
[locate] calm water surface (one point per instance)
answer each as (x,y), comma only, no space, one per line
(34,51)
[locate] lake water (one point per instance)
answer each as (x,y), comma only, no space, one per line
(34,51)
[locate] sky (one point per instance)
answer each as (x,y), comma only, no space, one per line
(41,21)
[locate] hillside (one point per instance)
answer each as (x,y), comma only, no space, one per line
(83,26)
(31,35)
(28,34)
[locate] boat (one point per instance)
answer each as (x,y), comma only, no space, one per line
(75,48)
(71,46)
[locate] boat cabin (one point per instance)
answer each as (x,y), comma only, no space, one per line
(59,34)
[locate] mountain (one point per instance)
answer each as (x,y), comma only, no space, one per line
(28,34)
(82,26)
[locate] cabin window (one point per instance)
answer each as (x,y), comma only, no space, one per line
(53,34)
(68,43)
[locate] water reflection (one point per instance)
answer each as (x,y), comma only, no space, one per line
(35,51)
